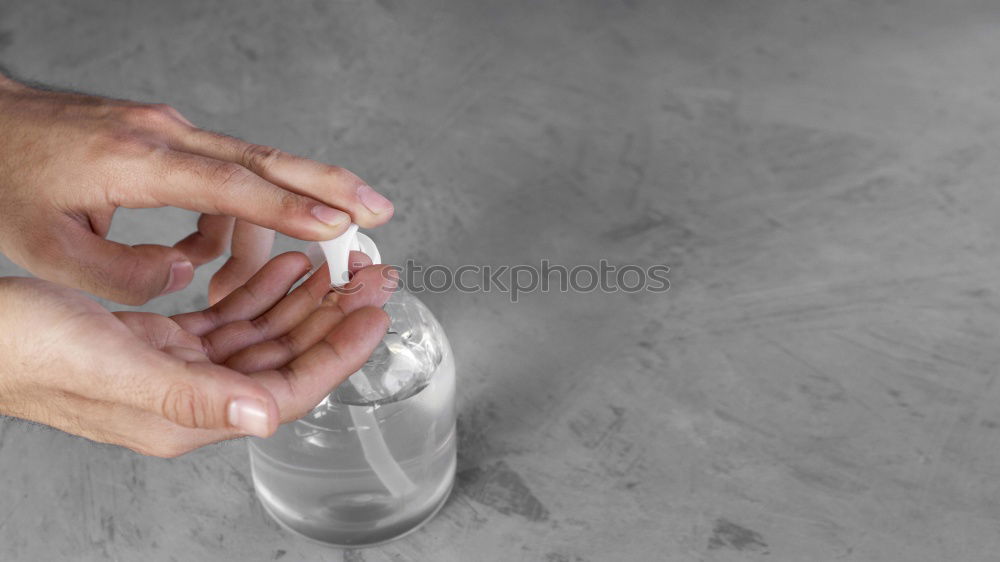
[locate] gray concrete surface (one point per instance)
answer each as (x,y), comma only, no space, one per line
(818,384)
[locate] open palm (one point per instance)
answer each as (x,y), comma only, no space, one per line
(164,386)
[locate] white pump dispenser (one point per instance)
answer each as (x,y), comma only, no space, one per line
(338,252)
(373,444)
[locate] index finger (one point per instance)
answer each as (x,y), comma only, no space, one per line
(214,187)
(332,185)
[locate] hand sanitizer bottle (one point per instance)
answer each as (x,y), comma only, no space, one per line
(376,458)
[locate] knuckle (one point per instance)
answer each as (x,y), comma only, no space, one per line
(207,345)
(295,406)
(338,174)
(262,324)
(212,245)
(135,277)
(183,405)
(162,109)
(289,343)
(127,278)
(156,115)
(260,157)
(228,176)
(289,203)
(216,245)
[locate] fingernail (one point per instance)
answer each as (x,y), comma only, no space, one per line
(249,416)
(375,201)
(330,216)
(180,275)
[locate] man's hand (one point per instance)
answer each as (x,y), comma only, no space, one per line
(164,386)
(68,161)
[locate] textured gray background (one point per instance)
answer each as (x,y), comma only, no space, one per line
(819,383)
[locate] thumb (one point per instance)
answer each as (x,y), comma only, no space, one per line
(208,396)
(176,382)
(183,388)
(126,274)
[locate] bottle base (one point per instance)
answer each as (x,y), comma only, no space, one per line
(414,528)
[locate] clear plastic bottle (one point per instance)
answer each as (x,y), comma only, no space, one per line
(376,458)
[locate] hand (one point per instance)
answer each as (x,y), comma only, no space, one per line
(68,161)
(164,386)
